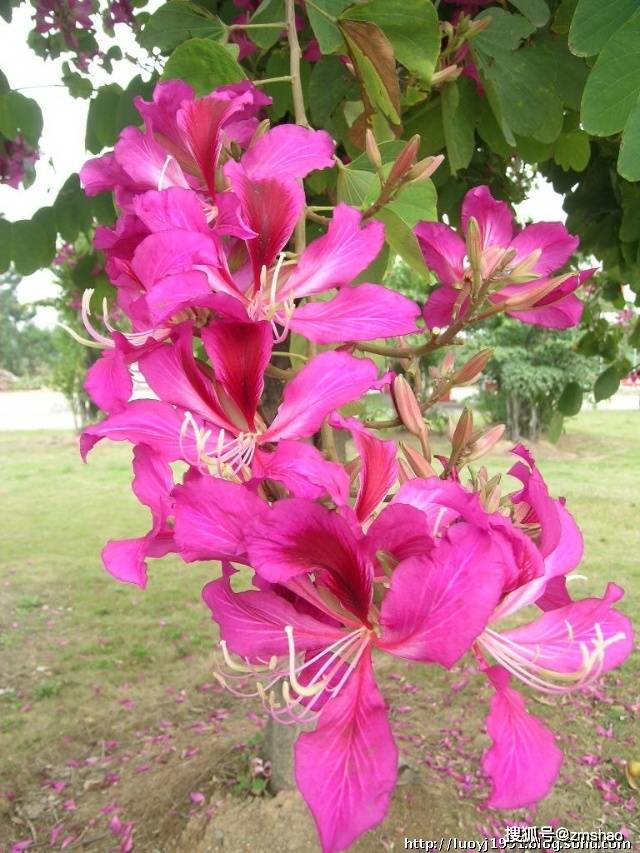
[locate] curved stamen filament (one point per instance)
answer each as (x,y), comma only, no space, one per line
(163,171)
(525,665)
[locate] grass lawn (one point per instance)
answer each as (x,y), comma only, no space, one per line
(108,706)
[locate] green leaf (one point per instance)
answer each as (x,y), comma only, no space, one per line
(563,16)
(459,113)
(614,83)
(595,21)
(570,401)
(416,203)
(532,150)
(31,247)
(5,245)
(330,85)
(126,113)
(103,208)
(357,187)
(177,21)
(402,240)
(203,64)
(555,427)
(268,12)
(606,384)
(73,209)
(323,15)
(20,115)
(505,31)
(523,85)
(411,26)
(536,11)
(629,154)
(374,64)
(572,151)
(102,130)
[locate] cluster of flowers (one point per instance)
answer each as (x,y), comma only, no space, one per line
(17,159)
(209,199)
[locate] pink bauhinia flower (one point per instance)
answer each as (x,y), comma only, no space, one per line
(523,260)
(210,417)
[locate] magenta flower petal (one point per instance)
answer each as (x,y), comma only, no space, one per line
(346,769)
(357,314)
(297,537)
(252,623)
(524,761)
(103,174)
(402,531)
(338,257)
(288,152)
(161,113)
(439,307)
(108,381)
(560,309)
(554,241)
(329,381)
(271,208)
(494,218)
(303,470)
(169,209)
(240,353)
(211,518)
(171,252)
(146,162)
(443,251)
(424,616)
(379,469)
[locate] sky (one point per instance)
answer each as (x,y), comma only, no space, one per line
(62,142)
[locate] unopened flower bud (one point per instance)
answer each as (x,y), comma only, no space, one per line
(462,432)
(371,147)
(424,169)
(447,75)
(404,161)
(260,131)
(407,406)
(405,474)
(474,244)
(484,442)
(477,26)
(532,295)
(470,371)
(448,363)
(418,464)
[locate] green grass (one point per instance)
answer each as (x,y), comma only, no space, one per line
(74,644)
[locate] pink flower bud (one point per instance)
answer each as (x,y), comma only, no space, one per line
(404,161)
(418,464)
(407,406)
(371,147)
(462,432)
(485,441)
(470,371)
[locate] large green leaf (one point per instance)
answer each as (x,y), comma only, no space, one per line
(31,246)
(570,401)
(203,64)
(411,26)
(614,83)
(459,113)
(268,12)
(5,245)
(20,115)
(357,187)
(402,240)
(572,151)
(595,21)
(606,384)
(416,203)
(127,114)
(323,15)
(536,11)
(330,85)
(177,21)
(102,128)
(504,32)
(629,155)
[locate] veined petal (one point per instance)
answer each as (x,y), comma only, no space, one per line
(378,469)
(160,114)
(400,531)
(543,509)
(252,623)
(524,761)
(171,252)
(297,537)
(239,353)
(552,239)
(338,257)
(360,313)
(346,769)
(289,152)
(303,470)
(126,559)
(212,516)
(559,309)
(327,382)
(438,605)
(146,162)
(169,209)
(103,174)
(494,218)
(271,208)
(443,251)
